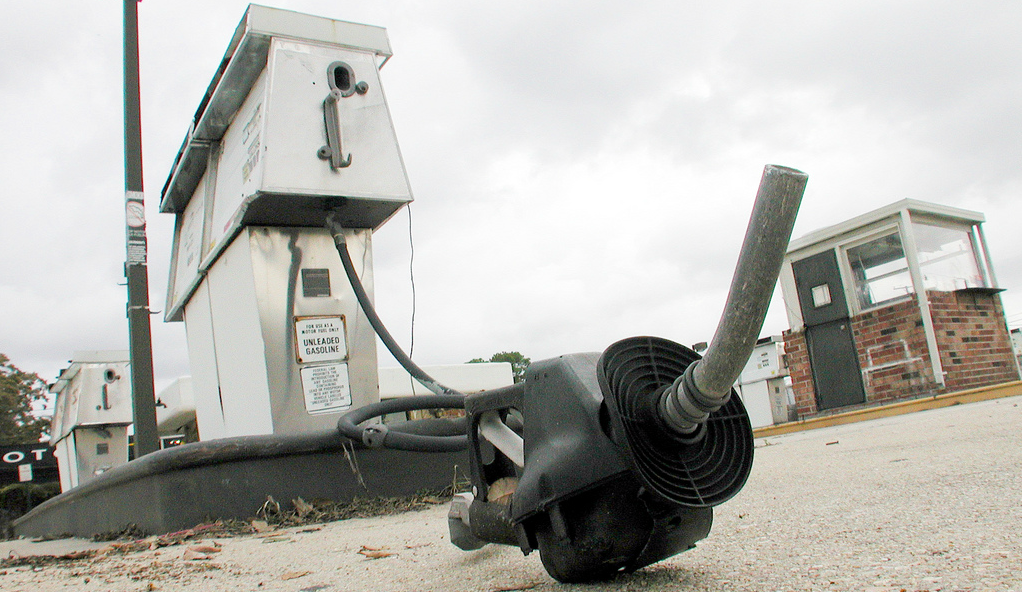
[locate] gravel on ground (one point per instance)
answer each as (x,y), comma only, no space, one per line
(930,501)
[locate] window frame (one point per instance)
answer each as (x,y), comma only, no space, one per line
(847,270)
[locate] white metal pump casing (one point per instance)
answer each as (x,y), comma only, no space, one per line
(295,125)
(91,415)
(256,368)
(254,155)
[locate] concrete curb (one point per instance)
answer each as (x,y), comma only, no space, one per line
(986,393)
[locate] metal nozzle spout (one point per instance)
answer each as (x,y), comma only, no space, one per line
(706,384)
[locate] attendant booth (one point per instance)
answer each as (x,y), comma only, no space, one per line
(898,303)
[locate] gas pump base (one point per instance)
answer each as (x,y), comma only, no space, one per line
(230,478)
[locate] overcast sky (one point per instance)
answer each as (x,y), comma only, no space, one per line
(582,171)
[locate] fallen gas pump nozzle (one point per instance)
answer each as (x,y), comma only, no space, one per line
(610,462)
(605,486)
(626,452)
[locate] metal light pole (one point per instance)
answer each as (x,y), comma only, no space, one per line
(139,335)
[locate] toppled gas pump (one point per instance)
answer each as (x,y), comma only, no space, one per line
(607,462)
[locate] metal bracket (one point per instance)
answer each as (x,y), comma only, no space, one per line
(341,78)
(333,151)
(502,437)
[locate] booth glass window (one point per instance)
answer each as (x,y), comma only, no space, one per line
(947,258)
(879,271)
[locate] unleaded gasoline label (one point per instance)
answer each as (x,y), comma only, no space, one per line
(326,388)
(320,339)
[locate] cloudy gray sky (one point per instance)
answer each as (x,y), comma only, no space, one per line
(583,171)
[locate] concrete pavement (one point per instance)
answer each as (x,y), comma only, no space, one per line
(924,501)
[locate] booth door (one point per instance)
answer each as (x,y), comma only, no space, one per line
(832,356)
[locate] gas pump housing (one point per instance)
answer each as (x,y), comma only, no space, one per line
(293,126)
(91,416)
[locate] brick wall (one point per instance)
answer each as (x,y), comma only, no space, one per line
(797,356)
(974,343)
(891,345)
(972,338)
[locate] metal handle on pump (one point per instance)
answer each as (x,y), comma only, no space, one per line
(341,78)
(332,150)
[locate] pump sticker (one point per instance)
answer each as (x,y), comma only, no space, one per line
(320,339)
(250,136)
(326,388)
(134,216)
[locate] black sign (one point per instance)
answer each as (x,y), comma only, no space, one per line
(28,462)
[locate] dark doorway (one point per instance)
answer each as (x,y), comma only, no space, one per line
(832,356)
(835,365)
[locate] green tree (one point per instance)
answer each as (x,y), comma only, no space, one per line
(18,390)
(518,363)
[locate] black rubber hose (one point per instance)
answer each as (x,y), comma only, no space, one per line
(382,435)
(377,435)
(337,231)
(706,384)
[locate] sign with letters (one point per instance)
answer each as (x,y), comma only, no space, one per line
(320,339)
(326,388)
(27,462)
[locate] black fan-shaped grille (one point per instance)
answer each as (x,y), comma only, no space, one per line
(632,373)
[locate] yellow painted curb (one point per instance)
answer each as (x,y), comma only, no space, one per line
(986,393)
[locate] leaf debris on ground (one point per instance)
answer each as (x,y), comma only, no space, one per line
(374,552)
(133,539)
